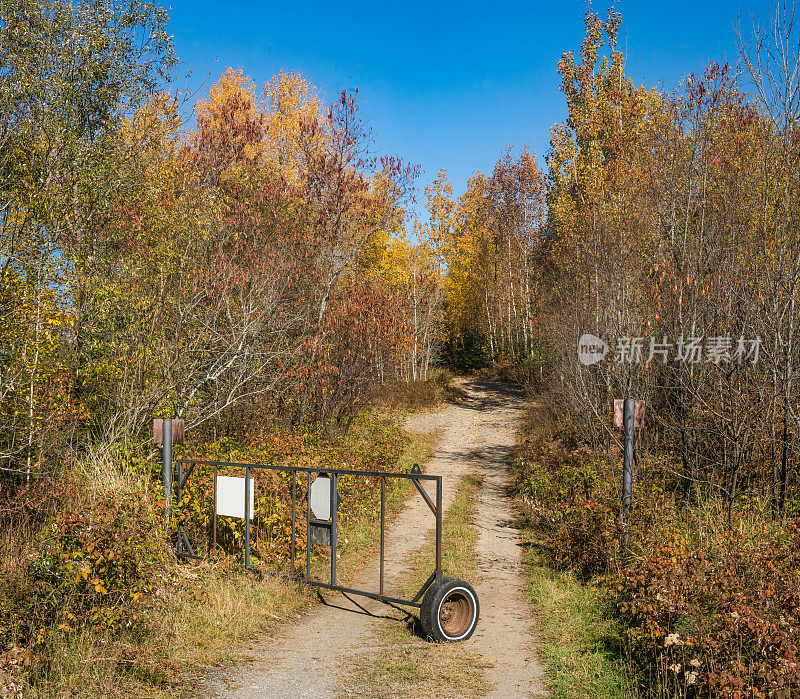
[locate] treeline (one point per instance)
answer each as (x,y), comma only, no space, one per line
(256,263)
(667,226)
(252,263)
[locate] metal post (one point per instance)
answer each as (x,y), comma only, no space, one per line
(166,464)
(627,465)
(294,526)
(214,535)
(334,528)
(383,526)
(179,499)
(246,517)
(308,525)
(438,529)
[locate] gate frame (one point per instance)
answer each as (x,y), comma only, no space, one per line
(183,547)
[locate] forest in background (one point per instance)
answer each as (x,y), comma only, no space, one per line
(255,270)
(250,263)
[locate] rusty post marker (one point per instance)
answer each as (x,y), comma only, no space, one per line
(628,414)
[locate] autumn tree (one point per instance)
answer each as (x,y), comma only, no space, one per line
(67,75)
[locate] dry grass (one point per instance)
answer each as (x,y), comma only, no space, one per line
(224,607)
(204,614)
(210,614)
(107,475)
(403,664)
(417,396)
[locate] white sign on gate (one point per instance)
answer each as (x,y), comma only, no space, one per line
(230,496)
(320,497)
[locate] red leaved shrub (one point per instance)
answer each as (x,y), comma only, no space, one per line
(716,617)
(707,609)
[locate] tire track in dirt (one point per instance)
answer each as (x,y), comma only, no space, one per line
(477,435)
(504,634)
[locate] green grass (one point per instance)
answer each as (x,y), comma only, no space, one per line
(459,539)
(578,642)
(405,665)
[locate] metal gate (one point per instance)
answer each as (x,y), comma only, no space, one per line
(318,530)
(448,607)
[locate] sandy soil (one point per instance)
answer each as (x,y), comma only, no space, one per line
(477,435)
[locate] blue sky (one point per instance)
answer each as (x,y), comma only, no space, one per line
(449,85)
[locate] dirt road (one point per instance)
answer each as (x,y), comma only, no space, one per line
(477,436)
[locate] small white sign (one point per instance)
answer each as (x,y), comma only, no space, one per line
(230,496)
(320,497)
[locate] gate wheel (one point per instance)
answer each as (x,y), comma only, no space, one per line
(449,611)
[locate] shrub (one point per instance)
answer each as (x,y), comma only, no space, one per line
(716,617)
(569,502)
(99,564)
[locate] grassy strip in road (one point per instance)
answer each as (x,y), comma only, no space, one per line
(578,643)
(405,665)
(459,539)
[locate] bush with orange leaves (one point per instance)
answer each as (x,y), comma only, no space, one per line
(707,607)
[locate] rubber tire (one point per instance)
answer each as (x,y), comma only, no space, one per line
(435,596)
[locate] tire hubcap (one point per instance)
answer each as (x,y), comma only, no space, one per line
(455,614)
